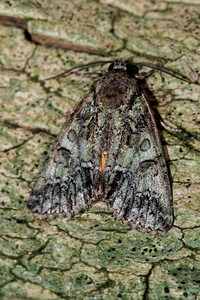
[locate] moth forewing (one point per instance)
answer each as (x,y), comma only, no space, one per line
(64,185)
(160,182)
(108,149)
(137,186)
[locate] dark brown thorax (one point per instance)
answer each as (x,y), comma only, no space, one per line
(114,88)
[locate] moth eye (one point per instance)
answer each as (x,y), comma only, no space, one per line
(132,69)
(110,68)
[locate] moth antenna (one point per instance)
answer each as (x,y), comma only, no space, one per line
(149,65)
(68,72)
(167,72)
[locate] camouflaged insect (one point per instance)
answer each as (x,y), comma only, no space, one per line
(108,149)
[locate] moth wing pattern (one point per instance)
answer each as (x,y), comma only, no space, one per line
(109,149)
(64,184)
(137,186)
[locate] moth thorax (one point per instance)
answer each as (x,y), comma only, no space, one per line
(116,89)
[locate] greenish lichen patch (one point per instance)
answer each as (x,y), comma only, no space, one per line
(94,256)
(12,137)
(175,280)
(21,97)
(154,36)
(23,291)
(106,258)
(60,253)
(186,204)
(90,12)
(22,273)
(12,204)
(184,16)
(184,113)
(132,247)
(166,28)
(5,274)
(14,248)
(184,171)
(155,47)
(76,282)
(183,65)
(22,9)
(17,173)
(92,227)
(122,286)
(79,35)
(55,61)
(136,8)
(15,229)
(13,289)
(17,50)
(192,238)
(177,152)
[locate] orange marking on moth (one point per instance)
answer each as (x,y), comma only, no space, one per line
(102,165)
(27,127)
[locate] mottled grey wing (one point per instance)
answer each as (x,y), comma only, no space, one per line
(137,186)
(64,184)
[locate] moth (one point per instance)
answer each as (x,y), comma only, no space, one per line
(109,149)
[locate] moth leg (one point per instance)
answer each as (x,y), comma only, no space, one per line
(144,75)
(157,116)
(160,122)
(169,128)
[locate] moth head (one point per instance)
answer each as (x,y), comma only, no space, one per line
(131,68)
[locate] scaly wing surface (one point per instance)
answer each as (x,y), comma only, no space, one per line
(137,186)
(65,182)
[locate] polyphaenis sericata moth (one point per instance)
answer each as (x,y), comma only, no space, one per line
(108,149)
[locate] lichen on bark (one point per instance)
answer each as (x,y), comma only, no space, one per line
(94,256)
